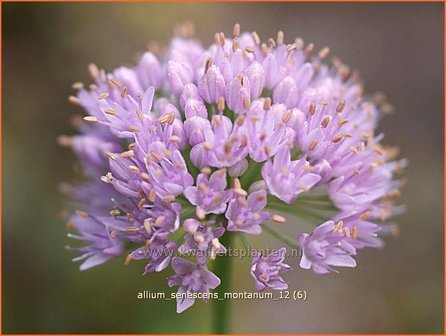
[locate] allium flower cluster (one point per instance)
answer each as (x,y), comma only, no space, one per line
(193,144)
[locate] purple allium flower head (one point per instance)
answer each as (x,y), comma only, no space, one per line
(193,142)
(266,270)
(191,279)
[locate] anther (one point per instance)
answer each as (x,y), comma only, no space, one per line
(103,95)
(91,119)
(267,103)
(235,44)
(342,121)
(323,53)
(110,112)
(207,65)
(312,145)
(337,138)
(287,116)
(355,232)
(236,30)
(78,86)
(134,129)
(338,226)
(309,49)
(134,169)
(256,38)
(93,70)
(347,232)
(271,42)
(167,118)
(246,102)
(278,219)
(221,104)
(201,214)
(127,154)
(124,92)
(340,106)
(280,37)
(127,260)
(74,100)
(159,220)
(312,108)
(115,212)
(81,213)
(115,82)
(325,121)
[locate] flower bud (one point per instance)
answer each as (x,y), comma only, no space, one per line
(286,92)
(212,85)
(178,75)
(256,77)
(238,94)
(149,71)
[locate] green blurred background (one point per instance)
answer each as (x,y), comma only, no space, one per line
(46,47)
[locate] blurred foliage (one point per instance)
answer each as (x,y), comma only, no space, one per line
(46,47)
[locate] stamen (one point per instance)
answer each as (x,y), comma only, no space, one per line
(236,30)
(312,109)
(81,213)
(323,53)
(340,106)
(325,121)
(91,119)
(206,170)
(267,103)
(115,212)
(271,42)
(124,92)
(127,260)
(93,70)
(127,154)
(256,38)
(169,198)
(309,49)
(207,65)
(355,232)
(235,44)
(278,219)
(246,102)
(78,86)
(159,220)
(103,95)
(111,112)
(240,120)
(280,37)
(287,116)
(221,104)
(313,145)
(74,100)
(134,169)
(337,138)
(115,82)
(145,176)
(167,118)
(338,226)
(201,214)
